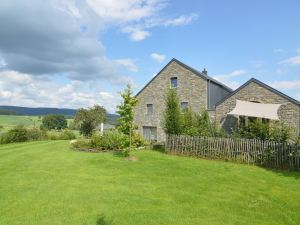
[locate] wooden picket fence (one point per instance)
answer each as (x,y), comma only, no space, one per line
(263,153)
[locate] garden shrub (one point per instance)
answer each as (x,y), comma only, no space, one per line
(63,135)
(67,135)
(256,129)
(36,134)
(95,141)
(113,140)
(81,143)
(17,134)
(138,141)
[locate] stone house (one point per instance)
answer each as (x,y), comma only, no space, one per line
(195,90)
(258,92)
(200,92)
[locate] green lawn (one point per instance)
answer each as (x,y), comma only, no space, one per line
(47,183)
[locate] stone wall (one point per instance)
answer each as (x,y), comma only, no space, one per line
(191,88)
(289,112)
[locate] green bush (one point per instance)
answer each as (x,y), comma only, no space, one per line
(81,143)
(95,141)
(256,129)
(113,140)
(67,135)
(138,141)
(61,135)
(36,134)
(17,134)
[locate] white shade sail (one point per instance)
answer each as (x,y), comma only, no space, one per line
(259,110)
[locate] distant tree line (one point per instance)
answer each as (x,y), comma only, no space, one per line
(7,112)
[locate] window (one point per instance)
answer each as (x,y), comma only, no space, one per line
(184,105)
(150,133)
(149,109)
(174,82)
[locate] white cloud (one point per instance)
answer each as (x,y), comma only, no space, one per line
(293,61)
(128,64)
(125,10)
(26,90)
(44,40)
(158,57)
(286,85)
(135,33)
(181,20)
(136,17)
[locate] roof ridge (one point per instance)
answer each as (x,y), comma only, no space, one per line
(202,75)
(263,85)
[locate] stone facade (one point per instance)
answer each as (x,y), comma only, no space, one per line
(191,88)
(204,93)
(253,90)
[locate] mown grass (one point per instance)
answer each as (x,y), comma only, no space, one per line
(47,183)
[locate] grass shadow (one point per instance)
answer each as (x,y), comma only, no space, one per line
(158,147)
(101,220)
(119,154)
(285,173)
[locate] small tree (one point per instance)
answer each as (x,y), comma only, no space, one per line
(172,115)
(57,122)
(88,119)
(189,122)
(125,110)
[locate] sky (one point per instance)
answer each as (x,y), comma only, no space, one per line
(77,53)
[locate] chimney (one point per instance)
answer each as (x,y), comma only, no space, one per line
(204,72)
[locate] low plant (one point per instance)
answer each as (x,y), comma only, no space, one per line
(36,134)
(81,143)
(17,134)
(67,135)
(114,140)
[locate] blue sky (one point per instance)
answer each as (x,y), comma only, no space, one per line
(76,53)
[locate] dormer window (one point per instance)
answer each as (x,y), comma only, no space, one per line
(174,82)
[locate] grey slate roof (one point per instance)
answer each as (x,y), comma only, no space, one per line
(263,85)
(204,76)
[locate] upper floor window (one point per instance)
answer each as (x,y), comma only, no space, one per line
(184,105)
(174,82)
(149,109)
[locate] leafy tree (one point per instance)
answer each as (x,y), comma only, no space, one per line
(89,119)
(57,122)
(125,110)
(172,121)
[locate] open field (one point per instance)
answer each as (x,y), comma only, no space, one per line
(47,183)
(10,121)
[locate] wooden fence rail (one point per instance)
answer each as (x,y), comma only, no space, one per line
(264,153)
